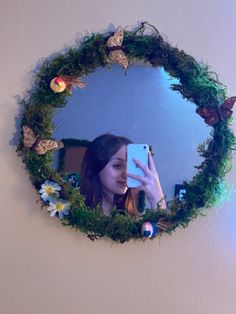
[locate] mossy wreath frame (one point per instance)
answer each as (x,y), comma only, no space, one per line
(197,83)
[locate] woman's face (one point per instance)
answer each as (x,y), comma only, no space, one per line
(113,176)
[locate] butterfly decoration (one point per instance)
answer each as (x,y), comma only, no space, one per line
(114,44)
(213,115)
(40,146)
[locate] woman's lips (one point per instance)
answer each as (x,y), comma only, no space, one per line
(122,183)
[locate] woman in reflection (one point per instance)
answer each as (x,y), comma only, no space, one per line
(104,177)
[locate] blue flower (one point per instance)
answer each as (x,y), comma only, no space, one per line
(73,179)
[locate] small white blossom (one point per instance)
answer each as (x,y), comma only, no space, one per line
(49,190)
(59,206)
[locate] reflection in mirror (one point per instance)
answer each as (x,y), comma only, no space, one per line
(140,106)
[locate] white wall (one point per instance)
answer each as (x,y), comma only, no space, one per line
(47,268)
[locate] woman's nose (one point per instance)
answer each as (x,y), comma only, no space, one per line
(124,174)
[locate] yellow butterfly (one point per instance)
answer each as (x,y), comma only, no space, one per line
(37,144)
(114,43)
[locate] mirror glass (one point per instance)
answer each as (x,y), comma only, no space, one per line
(141,106)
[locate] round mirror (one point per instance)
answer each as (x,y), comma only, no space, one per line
(149,106)
(142,107)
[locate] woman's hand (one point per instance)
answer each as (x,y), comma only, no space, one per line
(150,184)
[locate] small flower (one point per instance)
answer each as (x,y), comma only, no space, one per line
(49,190)
(59,206)
(73,179)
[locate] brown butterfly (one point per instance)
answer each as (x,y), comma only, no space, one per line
(114,43)
(37,144)
(213,115)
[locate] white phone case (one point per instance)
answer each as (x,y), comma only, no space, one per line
(140,153)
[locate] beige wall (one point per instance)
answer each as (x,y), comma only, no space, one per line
(46,268)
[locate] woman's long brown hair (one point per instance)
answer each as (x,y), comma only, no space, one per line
(96,157)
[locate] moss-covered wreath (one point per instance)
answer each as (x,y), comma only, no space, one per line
(197,84)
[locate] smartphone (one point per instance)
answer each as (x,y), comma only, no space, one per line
(140,153)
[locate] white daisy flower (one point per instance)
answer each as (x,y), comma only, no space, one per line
(49,190)
(59,206)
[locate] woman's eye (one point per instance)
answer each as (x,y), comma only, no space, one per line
(117,166)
